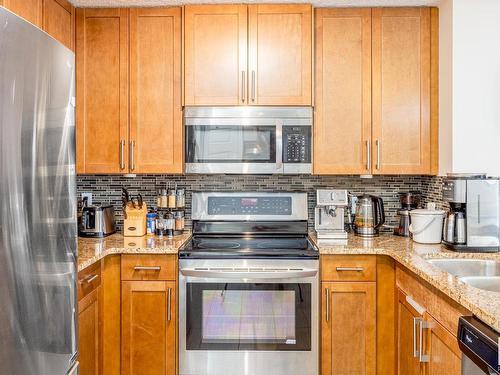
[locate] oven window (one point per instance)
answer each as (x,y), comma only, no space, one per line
(231,144)
(241,316)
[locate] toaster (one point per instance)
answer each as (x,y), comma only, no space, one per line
(97,221)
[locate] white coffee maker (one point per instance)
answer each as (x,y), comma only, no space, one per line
(329,214)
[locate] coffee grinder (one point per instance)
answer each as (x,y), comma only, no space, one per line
(409,201)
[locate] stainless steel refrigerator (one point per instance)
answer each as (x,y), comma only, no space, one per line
(38,246)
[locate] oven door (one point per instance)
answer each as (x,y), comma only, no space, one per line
(226,145)
(253,316)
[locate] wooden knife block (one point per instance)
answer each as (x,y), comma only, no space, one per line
(134,223)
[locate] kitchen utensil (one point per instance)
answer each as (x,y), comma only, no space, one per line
(370,215)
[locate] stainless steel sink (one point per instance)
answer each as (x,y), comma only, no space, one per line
(489,283)
(468,267)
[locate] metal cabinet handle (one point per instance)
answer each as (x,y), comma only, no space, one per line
(377,143)
(89,279)
(122,154)
(243,86)
(327,304)
(132,161)
(415,350)
(352,269)
(253,85)
(147,268)
(421,356)
(368,155)
(169,304)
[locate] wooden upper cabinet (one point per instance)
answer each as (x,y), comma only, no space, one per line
(280,54)
(102,90)
(348,328)
(342,123)
(58,21)
(155,90)
(148,328)
(215,54)
(401,100)
(30,10)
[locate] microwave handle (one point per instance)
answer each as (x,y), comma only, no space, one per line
(279,145)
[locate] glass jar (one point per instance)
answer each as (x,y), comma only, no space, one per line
(171,198)
(179,221)
(180,200)
(169,223)
(164,199)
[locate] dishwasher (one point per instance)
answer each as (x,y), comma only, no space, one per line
(479,344)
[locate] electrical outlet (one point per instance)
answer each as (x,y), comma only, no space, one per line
(89,198)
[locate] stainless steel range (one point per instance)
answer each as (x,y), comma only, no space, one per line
(248,285)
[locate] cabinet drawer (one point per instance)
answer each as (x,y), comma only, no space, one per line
(149,267)
(89,279)
(348,268)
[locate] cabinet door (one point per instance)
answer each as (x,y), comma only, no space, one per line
(401,90)
(101,90)
(59,21)
(342,123)
(155,90)
(148,328)
(407,336)
(441,347)
(280,54)
(30,10)
(215,50)
(89,333)
(348,332)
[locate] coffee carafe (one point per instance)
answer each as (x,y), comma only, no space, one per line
(370,215)
(454,231)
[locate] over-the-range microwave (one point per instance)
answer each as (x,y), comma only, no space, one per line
(248,140)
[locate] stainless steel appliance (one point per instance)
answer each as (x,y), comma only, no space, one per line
(479,344)
(409,201)
(97,221)
(370,215)
(38,227)
(473,221)
(329,214)
(250,140)
(248,287)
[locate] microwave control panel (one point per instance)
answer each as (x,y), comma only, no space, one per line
(297,144)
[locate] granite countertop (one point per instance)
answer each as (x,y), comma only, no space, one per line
(90,250)
(485,305)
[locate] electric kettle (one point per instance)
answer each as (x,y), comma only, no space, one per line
(370,215)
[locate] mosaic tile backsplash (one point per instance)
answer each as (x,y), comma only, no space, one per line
(107,188)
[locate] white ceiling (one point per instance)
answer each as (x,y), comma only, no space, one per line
(316,3)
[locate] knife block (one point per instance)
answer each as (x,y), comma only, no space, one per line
(134,223)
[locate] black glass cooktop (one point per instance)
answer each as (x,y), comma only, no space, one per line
(248,247)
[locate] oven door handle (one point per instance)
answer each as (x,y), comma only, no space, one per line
(279,145)
(249,275)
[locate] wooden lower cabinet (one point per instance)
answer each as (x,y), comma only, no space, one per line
(89,333)
(148,328)
(438,352)
(348,328)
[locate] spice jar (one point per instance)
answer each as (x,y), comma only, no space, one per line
(179,221)
(158,199)
(171,199)
(180,200)
(164,199)
(169,223)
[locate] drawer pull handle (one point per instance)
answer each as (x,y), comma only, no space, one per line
(147,268)
(89,279)
(350,269)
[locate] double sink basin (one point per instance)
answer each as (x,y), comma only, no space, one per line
(478,273)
